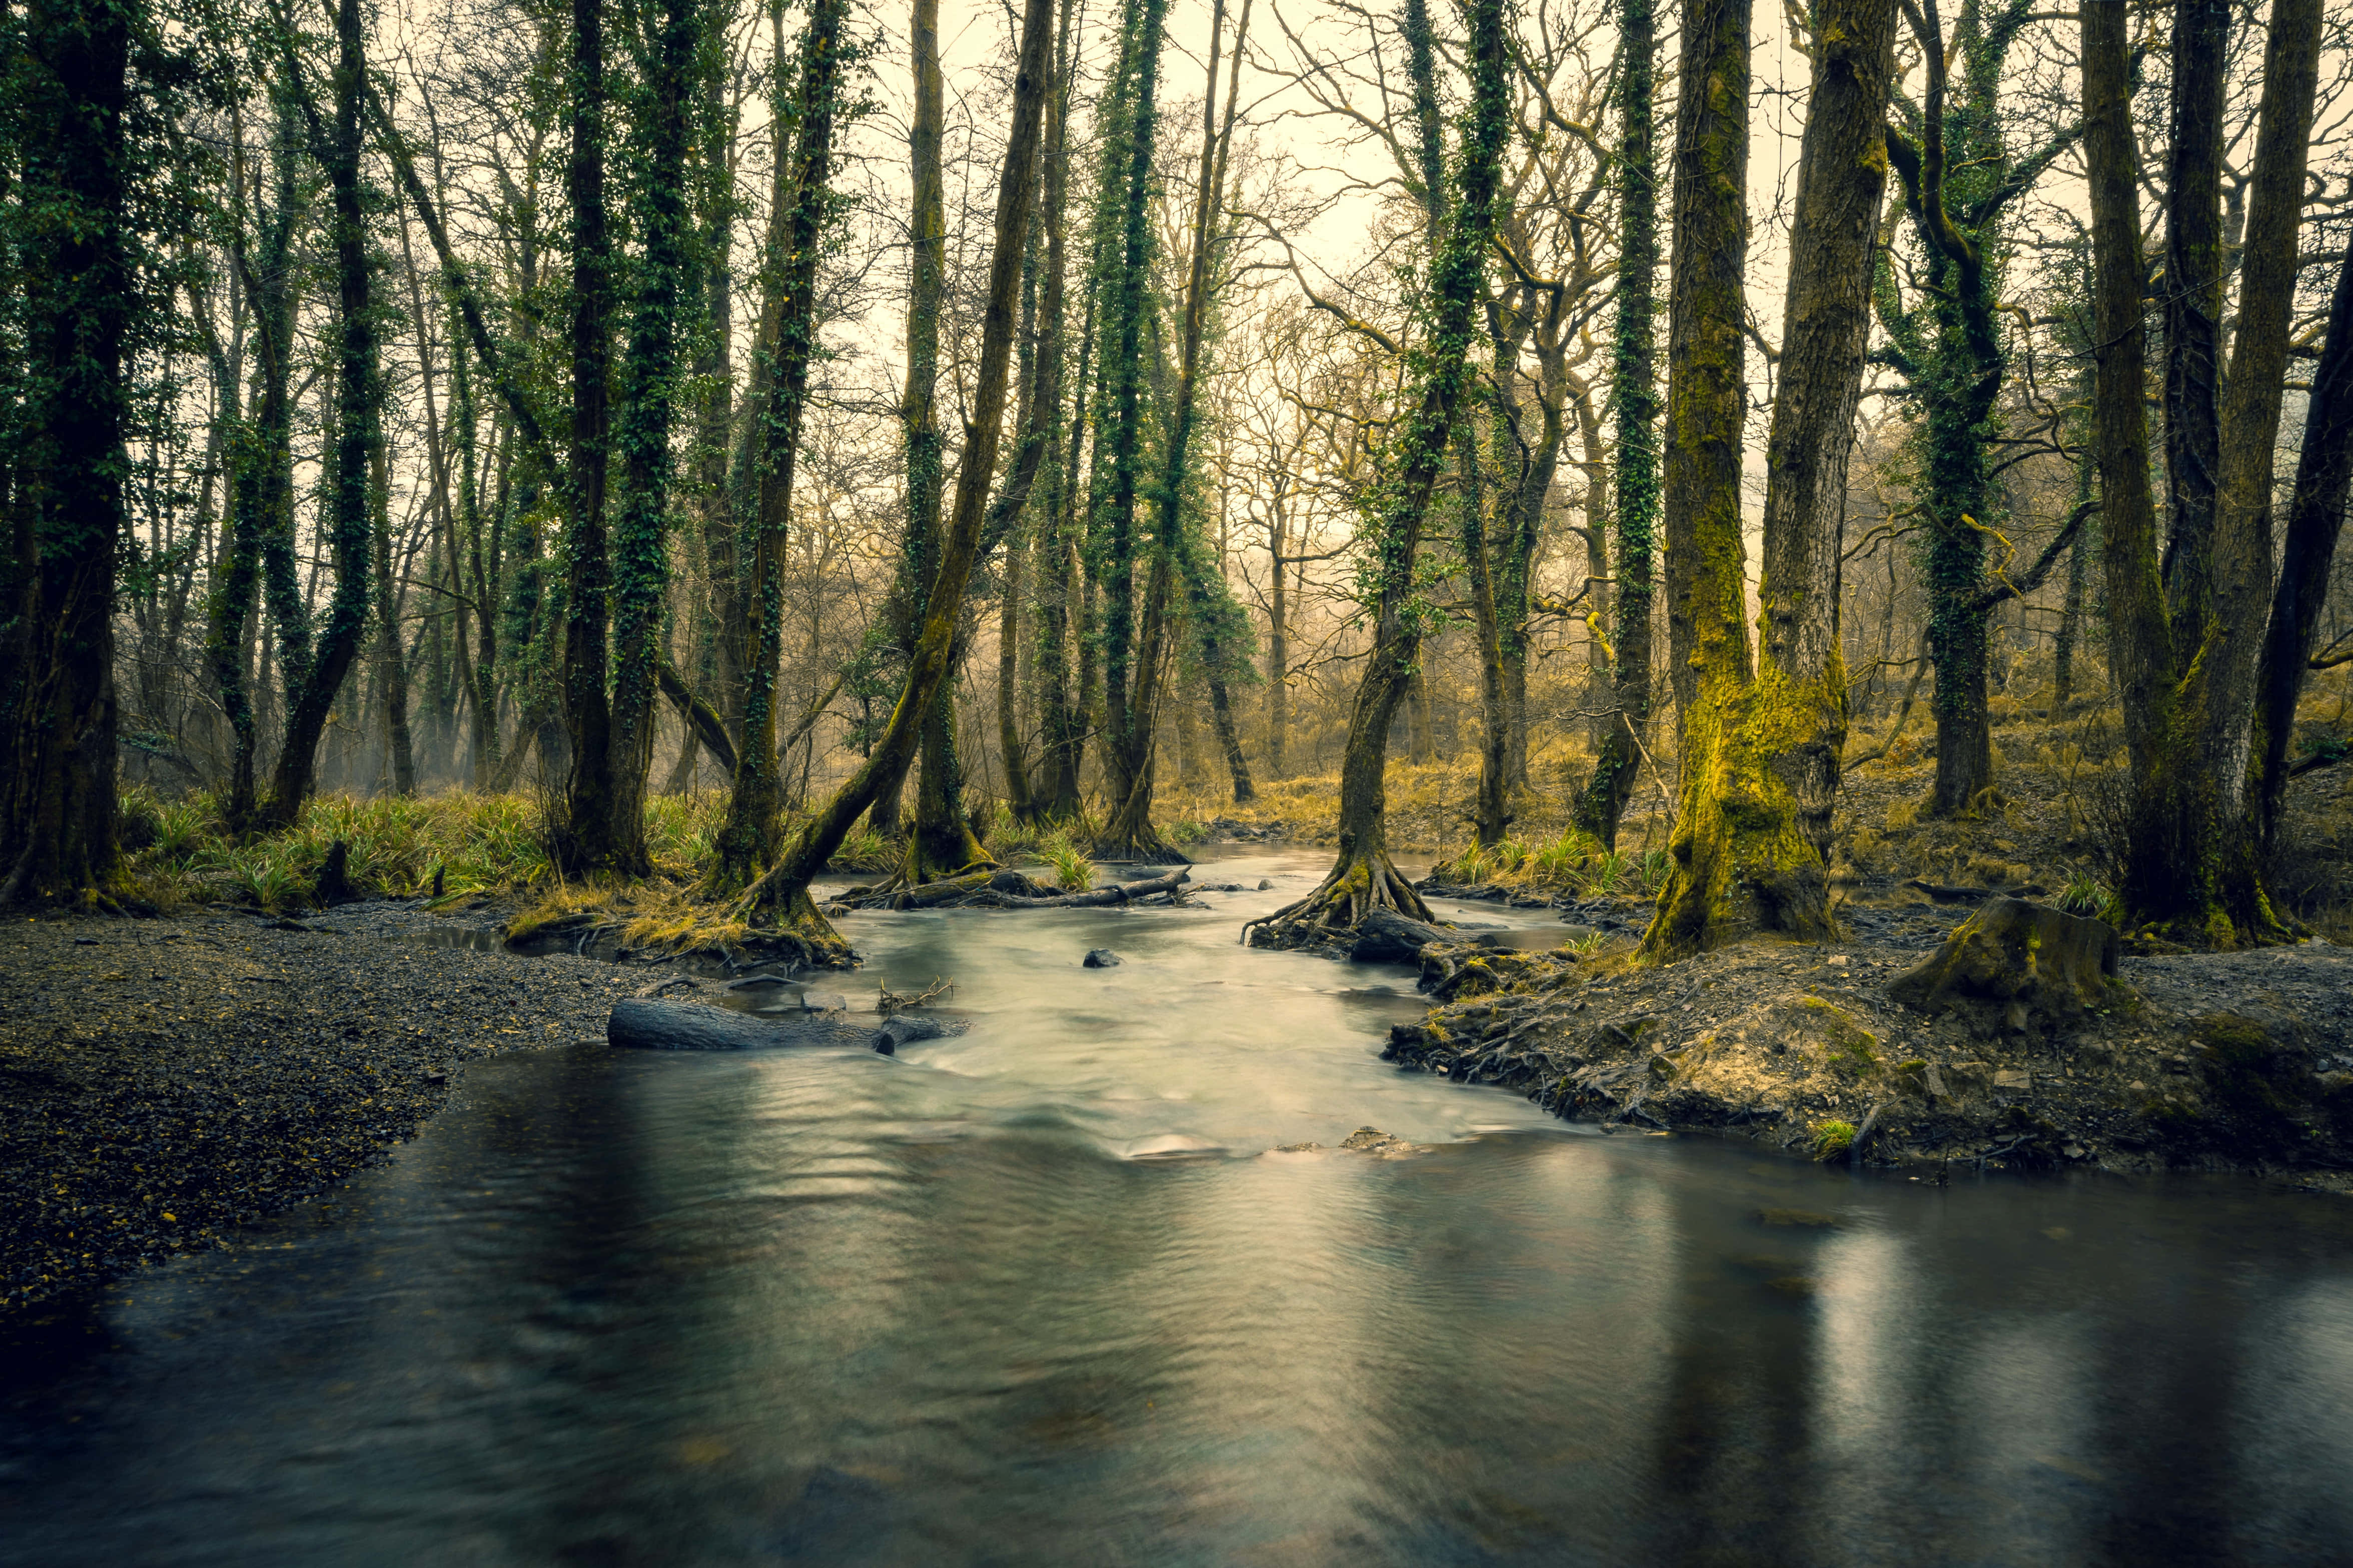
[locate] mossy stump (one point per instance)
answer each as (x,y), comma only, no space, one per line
(2026,957)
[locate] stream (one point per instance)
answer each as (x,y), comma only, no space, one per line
(1041,1293)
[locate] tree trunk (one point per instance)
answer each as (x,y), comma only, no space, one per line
(590,838)
(1127,661)
(783,893)
(1131,832)
(393,674)
(56,661)
(1602,805)
(640,543)
(776,399)
(1278,652)
(2241,570)
(1363,878)
(358,429)
(1751,841)
(2315,513)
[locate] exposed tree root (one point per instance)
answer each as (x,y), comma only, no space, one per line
(1352,889)
(793,921)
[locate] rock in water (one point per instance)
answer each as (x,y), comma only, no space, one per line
(1372,1140)
(1102,958)
(2026,957)
(645,1024)
(1385,936)
(903,1030)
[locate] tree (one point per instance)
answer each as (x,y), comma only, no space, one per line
(77,261)
(1634,408)
(358,423)
(1959,181)
(800,205)
(781,895)
(2185,639)
(1363,878)
(1761,741)
(1176,551)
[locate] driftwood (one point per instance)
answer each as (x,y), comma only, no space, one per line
(1124,893)
(2023,956)
(646,1024)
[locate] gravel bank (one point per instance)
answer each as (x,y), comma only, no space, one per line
(165,1080)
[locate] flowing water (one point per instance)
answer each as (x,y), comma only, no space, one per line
(1041,1294)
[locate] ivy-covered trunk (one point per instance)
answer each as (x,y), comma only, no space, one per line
(800,202)
(1130,834)
(1363,878)
(588,839)
(1124,287)
(640,544)
(1634,409)
(57,662)
(261,475)
(1751,841)
(781,895)
(358,427)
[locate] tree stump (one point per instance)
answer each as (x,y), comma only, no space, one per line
(2026,957)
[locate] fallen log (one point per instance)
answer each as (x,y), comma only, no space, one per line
(1123,893)
(1385,936)
(647,1025)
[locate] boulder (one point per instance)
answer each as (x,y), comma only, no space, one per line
(2025,957)
(1102,958)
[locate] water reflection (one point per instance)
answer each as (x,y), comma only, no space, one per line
(827,1307)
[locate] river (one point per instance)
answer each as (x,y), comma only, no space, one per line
(1041,1294)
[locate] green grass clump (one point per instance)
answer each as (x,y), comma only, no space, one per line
(181,851)
(1833,1139)
(1073,872)
(1575,863)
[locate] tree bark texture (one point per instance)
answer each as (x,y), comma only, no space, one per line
(358,427)
(776,398)
(57,658)
(1602,805)
(1751,841)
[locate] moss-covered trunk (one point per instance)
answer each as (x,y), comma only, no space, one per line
(1751,841)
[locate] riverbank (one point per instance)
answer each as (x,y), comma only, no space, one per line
(2213,1062)
(167,1080)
